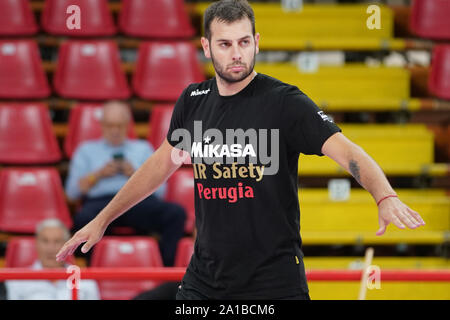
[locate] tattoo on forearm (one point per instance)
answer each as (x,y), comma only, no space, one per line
(354,170)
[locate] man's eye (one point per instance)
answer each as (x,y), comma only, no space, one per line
(224,44)
(245,42)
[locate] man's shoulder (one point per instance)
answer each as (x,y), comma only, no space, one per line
(273,85)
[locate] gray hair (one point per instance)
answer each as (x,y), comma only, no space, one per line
(52,223)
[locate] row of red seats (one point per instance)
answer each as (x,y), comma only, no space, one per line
(165,18)
(30,195)
(111,252)
(91,70)
(150,19)
(27,136)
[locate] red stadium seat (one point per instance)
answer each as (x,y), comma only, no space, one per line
(180,189)
(126,252)
(84,124)
(30,195)
(21,252)
(26,134)
(21,72)
(95,18)
(164,69)
(16,18)
(159,123)
(430,19)
(90,70)
(439,80)
(155,19)
(185,249)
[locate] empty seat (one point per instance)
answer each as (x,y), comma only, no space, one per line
(180,189)
(439,80)
(159,123)
(185,249)
(26,134)
(164,69)
(30,195)
(16,18)
(159,126)
(126,252)
(21,252)
(95,18)
(90,70)
(21,72)
(84,124)
(325,221)
(155,19)
(406,149)
(430,19)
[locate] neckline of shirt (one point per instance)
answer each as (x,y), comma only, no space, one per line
(237,94)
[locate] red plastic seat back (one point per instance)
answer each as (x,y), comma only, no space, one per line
(164,69)
(430,19)
(30,195)
(21,72)
(26,134)
(21,252)
(126,252)
(185,249)
(159,123)
(84,124)
(16,18)
(95,18)
(90,70)
(439,80)
(155,19)
(180,189)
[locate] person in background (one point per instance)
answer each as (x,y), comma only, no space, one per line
(50,236)
(99,168)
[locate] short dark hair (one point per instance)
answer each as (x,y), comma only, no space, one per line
(227,11)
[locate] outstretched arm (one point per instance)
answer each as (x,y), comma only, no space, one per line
(153,172)
(370,176)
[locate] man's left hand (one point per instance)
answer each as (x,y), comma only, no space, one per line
(392,210)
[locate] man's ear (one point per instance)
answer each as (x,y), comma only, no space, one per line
(257,43)
(205,45)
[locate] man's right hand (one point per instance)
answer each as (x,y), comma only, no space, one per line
(110,169)
(90,233)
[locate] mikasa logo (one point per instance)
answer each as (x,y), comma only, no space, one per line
(199,92)
(210,151)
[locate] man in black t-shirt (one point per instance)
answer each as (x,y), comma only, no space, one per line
(244,132)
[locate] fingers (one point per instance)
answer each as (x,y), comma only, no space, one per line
(407,220)
(68,248)
(86,247)
(417,216)
(381,231)
(396,221)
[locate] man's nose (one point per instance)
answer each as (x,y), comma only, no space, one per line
(237,56)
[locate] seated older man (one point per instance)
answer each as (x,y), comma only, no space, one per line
(100,168)
(51,234)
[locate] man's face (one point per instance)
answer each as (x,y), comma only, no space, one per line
(114,126)
(232,49)
(48,242)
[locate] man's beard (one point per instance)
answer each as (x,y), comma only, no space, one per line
(221,73)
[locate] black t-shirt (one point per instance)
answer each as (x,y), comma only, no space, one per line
(248,243)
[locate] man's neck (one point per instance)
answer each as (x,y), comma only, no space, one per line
(229,89)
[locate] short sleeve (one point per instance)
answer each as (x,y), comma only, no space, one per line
(177,121)
(304,125)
